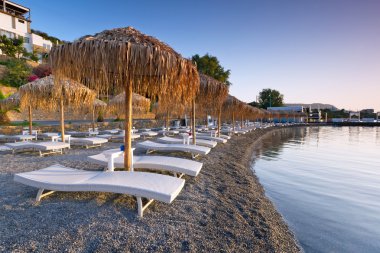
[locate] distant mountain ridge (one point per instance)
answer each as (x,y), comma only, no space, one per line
(315,106)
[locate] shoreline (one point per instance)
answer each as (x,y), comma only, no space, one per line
(223,209)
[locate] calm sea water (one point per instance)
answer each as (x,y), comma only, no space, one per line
(325,181)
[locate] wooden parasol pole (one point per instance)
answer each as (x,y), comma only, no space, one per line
(219,121)
(128,127)
(233,121)
(30,119)
(62,120)
(241,122)
(193,122)
(93,118)
(167,120)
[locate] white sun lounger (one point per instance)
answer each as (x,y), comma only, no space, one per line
(44,148)
(210,138)
(139,184)
(120,137)
(200,142)
(184,130)
(16,138)
(172,164)
(111,131)
(148,134)
(48,135)
(168,132)
(195,150)
(88,142)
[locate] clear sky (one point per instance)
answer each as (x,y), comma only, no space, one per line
(325,51)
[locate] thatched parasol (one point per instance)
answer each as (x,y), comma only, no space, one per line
(232,107)
(125,59)
(212,94)
(50,94)
(140,104)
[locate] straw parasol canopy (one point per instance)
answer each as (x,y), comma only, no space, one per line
(43,93)
(140,104)
(124,59)
(212,94)
(99,104)
(231,108)
(50,94)
(10,102)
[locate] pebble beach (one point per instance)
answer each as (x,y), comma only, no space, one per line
(223,209)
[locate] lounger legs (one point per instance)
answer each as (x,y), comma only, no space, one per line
(40,194)
(193,156)
(142,207)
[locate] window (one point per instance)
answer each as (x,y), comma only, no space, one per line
(21,21)
(46,46)
(26,40)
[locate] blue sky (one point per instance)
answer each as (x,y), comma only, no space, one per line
(324,51)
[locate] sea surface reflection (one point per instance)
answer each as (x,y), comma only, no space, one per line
(325,181)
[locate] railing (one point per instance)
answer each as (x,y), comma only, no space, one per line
(14,12)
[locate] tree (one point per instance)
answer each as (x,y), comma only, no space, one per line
(270,98)
(12,47)
(209,65)
(18,72)
(254,104)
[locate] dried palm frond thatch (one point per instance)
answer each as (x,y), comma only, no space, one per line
(231,108)
(114,59)
(45,94)
(211,96)
(140,104)
(50,94)
(124,59)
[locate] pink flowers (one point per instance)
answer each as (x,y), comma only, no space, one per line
(32,78)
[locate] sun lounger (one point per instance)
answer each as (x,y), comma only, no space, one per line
(105,136)
(201,136)
(148,134)
(16,138)
(168,132)
(48,135)
(4,148)
(44,148)
(139,184)
(120,137)
(184,130)
(195,150)
(88,142)
(77,134)
(110,131)
(172,164)
(200,142)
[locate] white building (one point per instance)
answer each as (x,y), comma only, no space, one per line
(15,23)
(287,108)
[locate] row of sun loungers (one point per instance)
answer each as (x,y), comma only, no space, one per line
(150,186)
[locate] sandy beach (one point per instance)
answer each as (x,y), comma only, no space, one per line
(223,209)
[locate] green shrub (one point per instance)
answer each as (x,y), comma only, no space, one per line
(18,73)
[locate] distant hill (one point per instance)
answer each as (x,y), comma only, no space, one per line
(315,106)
